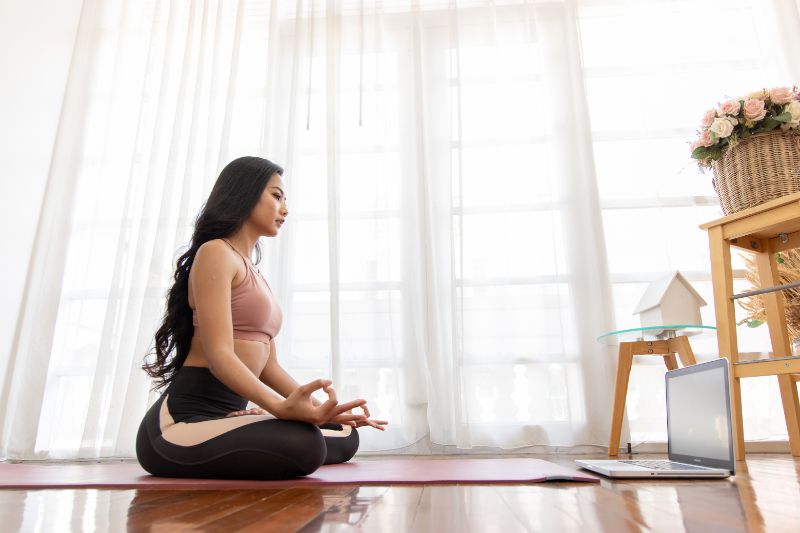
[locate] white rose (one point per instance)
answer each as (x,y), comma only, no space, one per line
(793,108)
(721,127)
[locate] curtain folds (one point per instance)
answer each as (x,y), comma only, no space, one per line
(466,205)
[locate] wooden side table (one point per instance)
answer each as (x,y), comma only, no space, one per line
(762,230)
(661,341)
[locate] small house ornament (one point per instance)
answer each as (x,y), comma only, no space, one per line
(670,301)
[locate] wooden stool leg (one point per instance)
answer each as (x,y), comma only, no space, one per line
(781,346)
(736,415)
(684,350)
(624,364)
(791,411)
(722,280)
(670,361)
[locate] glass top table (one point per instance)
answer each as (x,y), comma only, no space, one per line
(654,333)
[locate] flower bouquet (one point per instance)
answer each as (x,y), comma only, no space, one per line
(739,118)
(752,143)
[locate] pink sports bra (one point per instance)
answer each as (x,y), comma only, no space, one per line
(255,313)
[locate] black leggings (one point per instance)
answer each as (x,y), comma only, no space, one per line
(185,434)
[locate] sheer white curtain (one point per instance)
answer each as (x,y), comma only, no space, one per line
(477,190)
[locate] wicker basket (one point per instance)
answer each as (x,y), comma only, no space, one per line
(758,169)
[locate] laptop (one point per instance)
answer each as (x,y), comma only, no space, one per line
(699,433)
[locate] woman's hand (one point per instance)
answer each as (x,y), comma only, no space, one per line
(299,405)
(367,421)
(253,411)
(377,424)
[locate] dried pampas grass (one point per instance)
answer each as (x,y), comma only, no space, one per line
(788,272)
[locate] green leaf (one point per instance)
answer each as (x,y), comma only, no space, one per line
(784,117)
(779,258)
(769,124)
(750,322)
(706,152)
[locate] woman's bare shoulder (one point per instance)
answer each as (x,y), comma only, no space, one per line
(214,265)
(215,254)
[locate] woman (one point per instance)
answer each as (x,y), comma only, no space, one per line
(215,350)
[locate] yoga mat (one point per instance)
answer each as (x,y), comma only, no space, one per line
(373,472)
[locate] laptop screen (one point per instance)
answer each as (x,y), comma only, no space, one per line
(698,415)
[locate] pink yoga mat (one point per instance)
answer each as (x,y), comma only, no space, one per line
(374,472)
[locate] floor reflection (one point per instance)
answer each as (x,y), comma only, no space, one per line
(230,510)
(763,497)
(380,503)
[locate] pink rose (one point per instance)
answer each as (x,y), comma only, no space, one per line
(781,95)
(694,145)
(754,109)
(705,139)
(731,107)
(709,117)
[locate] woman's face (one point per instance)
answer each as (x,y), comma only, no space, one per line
(270,212)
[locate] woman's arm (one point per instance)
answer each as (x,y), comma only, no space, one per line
(276,377)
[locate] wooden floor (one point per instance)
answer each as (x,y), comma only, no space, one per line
(764,496)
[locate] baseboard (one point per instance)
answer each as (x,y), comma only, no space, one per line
(426,448)
(756,446)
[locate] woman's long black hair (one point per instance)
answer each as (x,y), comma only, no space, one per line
(236,192)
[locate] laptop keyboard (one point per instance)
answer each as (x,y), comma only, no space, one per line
(663,465)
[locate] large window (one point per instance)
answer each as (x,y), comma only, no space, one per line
(651,71)
(431,262)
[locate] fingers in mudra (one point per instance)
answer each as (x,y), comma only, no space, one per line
(377,424)
(332,410)
(348,419)
(355,420)
(299,405)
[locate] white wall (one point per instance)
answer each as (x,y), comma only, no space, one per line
(36,42)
